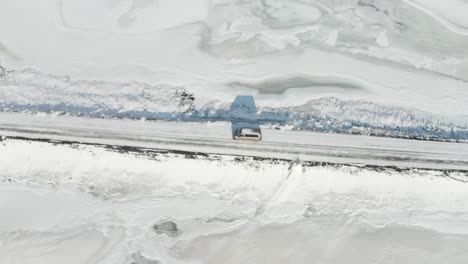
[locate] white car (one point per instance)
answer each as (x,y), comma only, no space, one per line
(254,134)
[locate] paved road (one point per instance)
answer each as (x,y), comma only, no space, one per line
(216,138)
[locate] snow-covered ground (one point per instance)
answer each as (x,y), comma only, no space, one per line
(86,204)
(389,68)
(452,14)
(332,110)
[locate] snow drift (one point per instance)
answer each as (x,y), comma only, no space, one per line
(32,91)
(107,202)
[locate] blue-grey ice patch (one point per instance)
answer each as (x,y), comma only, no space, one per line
(138,258)
(167,227)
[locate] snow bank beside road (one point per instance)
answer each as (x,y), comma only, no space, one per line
(269,186)
(45,92)
(32,91)
(229,199)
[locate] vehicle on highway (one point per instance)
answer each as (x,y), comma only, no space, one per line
(246,133)
(244,121)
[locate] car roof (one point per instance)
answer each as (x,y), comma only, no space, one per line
(250,130)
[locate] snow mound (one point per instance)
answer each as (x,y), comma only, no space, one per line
(32,91)
(331,114)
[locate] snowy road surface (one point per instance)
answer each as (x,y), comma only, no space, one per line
(216,138)
(397,69)
(74,203)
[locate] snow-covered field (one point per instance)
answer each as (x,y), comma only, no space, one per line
(389,68)
(86,204)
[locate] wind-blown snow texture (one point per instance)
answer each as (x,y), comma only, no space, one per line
(32,91)
(388,68)
(95,204)
(394,68)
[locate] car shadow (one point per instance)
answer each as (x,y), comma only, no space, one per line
(243,113)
